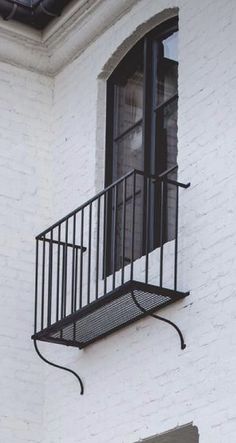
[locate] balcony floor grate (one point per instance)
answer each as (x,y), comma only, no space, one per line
(108,314)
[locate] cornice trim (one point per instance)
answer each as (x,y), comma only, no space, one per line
(48,52)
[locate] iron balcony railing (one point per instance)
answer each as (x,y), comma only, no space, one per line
(103,265)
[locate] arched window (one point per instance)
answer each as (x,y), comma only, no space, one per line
(142,98)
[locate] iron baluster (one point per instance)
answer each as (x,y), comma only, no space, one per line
(81,260)
(123,229)
(76,279)
(161,232)
(114,238)
(36,286)
(73,266)
(50,264)
(63,281)
(105,242)
(176,238)
(133,228)
(89,252)
(43,285)
(147,236)
(66,259)
(97,247)
(58,272)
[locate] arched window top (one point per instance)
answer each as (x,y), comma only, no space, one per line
(159,33)
(141,93)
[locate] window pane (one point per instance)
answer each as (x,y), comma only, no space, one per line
(170,128)
(130,146)
(167,137)
(129,100)
(170,133)
(167,69)
(124,233)
(128,153)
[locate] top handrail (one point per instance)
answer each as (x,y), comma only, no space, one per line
(168,171)
(162,176)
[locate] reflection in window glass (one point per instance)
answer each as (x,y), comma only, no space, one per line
(167,69)
(128,152)
(129,101)
(171,47)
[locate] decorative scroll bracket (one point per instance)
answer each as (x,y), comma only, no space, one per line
(60,367)
(182,343)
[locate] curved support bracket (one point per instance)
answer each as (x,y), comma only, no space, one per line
(60,367)
(182,343)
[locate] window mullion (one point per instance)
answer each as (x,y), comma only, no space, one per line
(128,130)
(147,101)
(166,102)
(147,126)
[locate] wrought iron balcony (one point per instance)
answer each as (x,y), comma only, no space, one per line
(110,262)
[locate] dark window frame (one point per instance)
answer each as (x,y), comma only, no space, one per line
(152,156)
(164,30)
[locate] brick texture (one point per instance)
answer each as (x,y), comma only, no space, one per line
(25,161)
(138,382)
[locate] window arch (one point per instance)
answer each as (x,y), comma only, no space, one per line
(142,98)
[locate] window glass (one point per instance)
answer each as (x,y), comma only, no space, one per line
(129,101)
(128,152)
(128,114)
(142,127)
(167,69)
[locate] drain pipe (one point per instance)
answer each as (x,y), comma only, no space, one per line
(36,13)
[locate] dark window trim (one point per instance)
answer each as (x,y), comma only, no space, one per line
(162,31)
(150,110)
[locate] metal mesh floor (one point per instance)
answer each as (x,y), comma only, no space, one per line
(108,314)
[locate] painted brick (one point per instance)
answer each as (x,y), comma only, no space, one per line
(138,382)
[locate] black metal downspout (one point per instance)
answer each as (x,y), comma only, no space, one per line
(47,12)
(36,14)
(11,13)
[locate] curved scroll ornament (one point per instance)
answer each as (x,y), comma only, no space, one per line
(182,343)
(60,367)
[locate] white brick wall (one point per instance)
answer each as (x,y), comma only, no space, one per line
(137,382)
(25,163)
